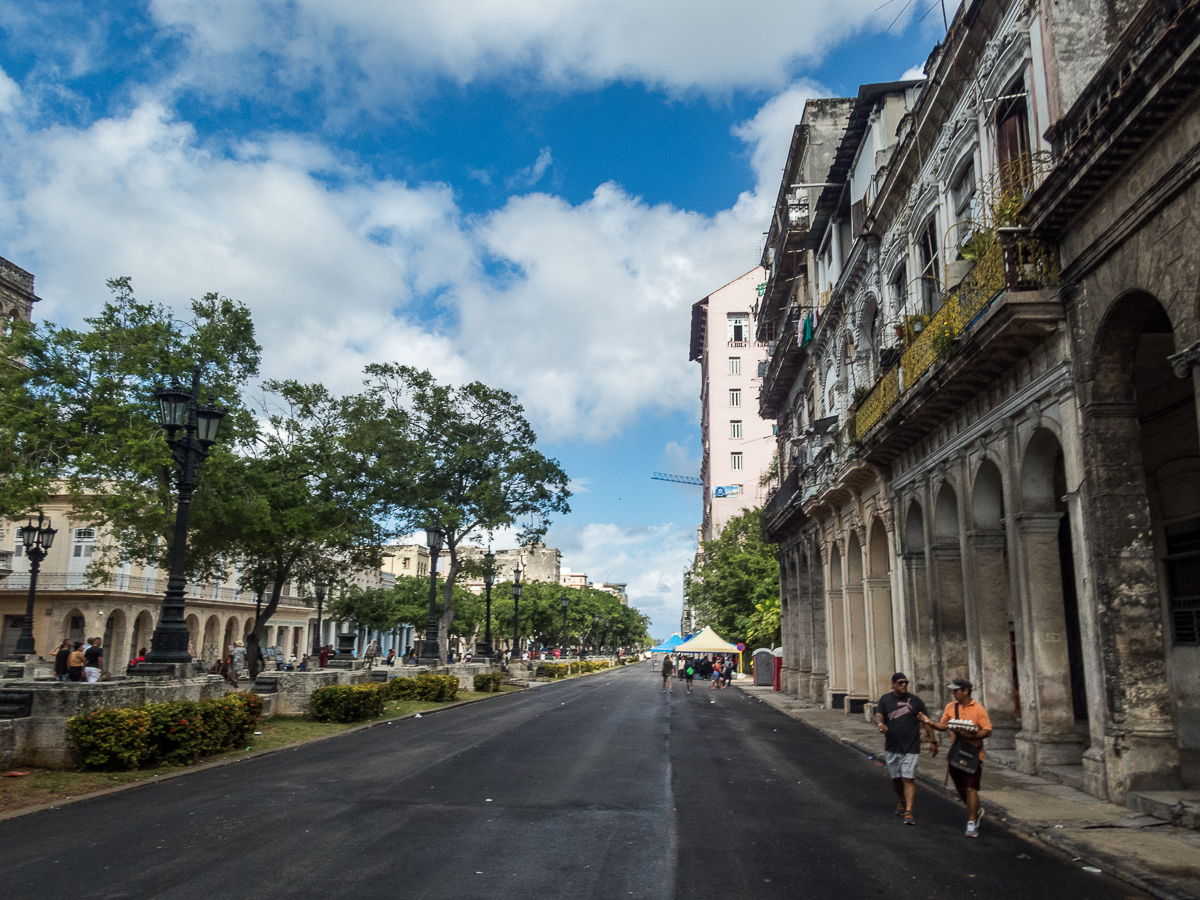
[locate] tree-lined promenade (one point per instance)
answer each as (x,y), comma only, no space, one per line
(303,486)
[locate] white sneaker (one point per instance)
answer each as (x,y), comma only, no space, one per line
(973,829)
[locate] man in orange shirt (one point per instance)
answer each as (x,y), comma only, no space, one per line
(974,728)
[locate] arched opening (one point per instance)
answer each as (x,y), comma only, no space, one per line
(879,605)
(857,635)
(945,560)
(994,620)
(193,627)
(143,630)
(114,640)
(210,649)
(231,634)
(73,627)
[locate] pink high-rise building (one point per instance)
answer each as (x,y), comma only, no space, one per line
(738,445)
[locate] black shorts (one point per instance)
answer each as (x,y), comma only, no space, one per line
(962,780)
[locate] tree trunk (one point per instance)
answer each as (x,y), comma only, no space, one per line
(261,617)
(447,604)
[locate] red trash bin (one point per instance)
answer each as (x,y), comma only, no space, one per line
(777,660)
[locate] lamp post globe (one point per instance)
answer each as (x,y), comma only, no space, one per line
(37,541)
(564,601)
(429,647)
(489,577)
(180,410)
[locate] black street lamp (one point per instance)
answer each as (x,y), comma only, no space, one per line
(178,409)
(320,589)
(516,612)
(564,601)
(596,634)
(429,647)
(489,576)
(37,540)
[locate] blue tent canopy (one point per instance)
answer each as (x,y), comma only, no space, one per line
(668,645)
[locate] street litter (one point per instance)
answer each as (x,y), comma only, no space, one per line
(258,732)
(14,774)
(1058,826)
(1091,869)
(1024,856)
(417,716)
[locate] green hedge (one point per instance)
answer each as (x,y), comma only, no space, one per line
(426,686)
(346,702)
(561,670)
(175,733)
(488,683)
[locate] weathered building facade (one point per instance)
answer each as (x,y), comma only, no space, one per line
(993,463)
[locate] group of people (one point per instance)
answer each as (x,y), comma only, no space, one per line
(902,718)
(719,669)
(72,662)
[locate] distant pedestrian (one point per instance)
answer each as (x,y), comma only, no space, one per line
(93,665)
(668,669)
(60,661)
(75,662)
(689,672)
(716,676)
(324,656)
(237,658)
(898,716)
(391,657)
(727,672)
(970,723)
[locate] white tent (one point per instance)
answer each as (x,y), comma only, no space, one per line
(707,641)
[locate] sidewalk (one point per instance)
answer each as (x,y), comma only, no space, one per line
(1146,852)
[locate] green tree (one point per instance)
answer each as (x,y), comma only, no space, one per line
(293,504)
(463,457)
(734,586)
(79,414)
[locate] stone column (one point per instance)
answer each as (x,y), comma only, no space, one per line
(1049,738)
(991,613)
(878,593)
(802,604)
(821,637)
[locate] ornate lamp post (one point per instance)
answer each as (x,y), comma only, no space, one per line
(37,540)
(516,612)
(564,601)
(429,647)
(489,577)
(320,589)
(178,409)
(596,634)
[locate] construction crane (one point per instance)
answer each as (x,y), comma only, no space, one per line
(678,479)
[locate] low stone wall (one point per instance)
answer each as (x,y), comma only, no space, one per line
(287,693)
(40,738)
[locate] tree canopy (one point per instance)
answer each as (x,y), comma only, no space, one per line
(734,585)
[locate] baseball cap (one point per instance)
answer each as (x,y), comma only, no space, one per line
(960,683)
(899,676)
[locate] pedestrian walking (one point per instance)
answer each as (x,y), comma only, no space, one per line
(324,655)
(689,672)
(75,662)
(668,669)
(60,661)
(93,664)
(716,676)
(969,722)
(237,658)
(898,716)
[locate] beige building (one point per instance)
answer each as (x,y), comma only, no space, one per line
(123,607)
(737,442)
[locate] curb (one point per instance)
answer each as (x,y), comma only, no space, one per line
(1109,864)
(254,754)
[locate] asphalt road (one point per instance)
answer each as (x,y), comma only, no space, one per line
(599,787)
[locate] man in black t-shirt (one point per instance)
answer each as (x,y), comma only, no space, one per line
(896,718)
(94,660)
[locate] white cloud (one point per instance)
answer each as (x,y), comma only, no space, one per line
(531,174)
(769,133)
(649,560)
(916,73)
(10,93)
(349,46)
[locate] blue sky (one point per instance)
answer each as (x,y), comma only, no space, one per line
(528,193)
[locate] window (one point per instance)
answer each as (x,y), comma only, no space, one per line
(18,545)
(774,430)
(735,397)
(1012,141)
(735,461)
(899,288)
(85,534)
(738,327)
(931,276)
(735,430)
(406,561)
(84,546)
(735,365)
(963,195)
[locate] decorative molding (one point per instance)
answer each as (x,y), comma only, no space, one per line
(1184,361)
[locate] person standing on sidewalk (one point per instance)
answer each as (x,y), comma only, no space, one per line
(668,669)
(970,723)
(896,717)
(93,660)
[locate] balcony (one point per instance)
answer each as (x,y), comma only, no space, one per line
(784,365)
(132,584)
(6,558)
(782,506)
